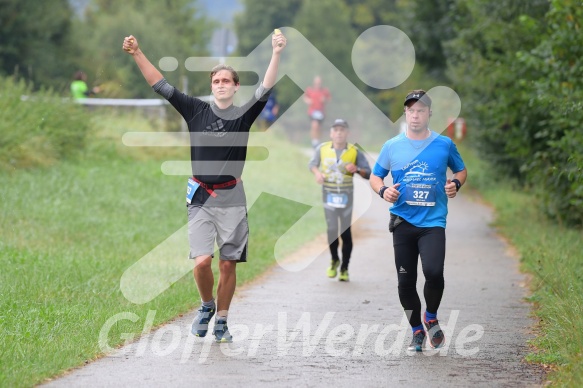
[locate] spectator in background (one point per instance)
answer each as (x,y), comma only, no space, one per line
(79,88)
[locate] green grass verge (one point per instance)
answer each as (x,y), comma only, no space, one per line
(70,231)
(553,255)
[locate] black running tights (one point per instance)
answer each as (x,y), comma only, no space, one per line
(410,242)
(338,221)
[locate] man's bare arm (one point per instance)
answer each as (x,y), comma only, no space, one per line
(278,43)
(149,71)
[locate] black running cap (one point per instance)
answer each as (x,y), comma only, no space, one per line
(418,96)
(340,123)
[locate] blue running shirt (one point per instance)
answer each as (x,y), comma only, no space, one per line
(420,166)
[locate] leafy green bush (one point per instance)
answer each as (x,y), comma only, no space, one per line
(557,93)
(39,129)
(493,84)
(560,173)
(527,105)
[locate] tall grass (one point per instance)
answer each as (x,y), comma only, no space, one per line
(39,130)
(553,255)
(68,233)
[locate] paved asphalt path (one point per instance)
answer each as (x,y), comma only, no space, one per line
(301,329)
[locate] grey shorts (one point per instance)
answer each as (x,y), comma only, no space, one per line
(227,225)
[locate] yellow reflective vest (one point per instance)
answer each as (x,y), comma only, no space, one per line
(335,175)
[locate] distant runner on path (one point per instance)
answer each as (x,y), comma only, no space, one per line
(418,160)
(334,164)
(316,96)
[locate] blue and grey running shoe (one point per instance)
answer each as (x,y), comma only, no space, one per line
(418,340)
(435,334)
(200,324)
(221,331)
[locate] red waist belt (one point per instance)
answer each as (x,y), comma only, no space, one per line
(211,188)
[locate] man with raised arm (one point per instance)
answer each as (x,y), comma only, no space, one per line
(216,202)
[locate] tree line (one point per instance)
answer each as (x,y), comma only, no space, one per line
(516,64)
(46,42)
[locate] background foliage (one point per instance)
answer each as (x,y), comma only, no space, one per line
(515,63)
(36,40)
(518,67)
(38,131)
(163,28)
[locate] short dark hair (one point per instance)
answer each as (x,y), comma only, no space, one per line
(79,75)
(222,66)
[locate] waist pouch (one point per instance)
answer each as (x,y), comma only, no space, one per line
(394,222)
(211,188)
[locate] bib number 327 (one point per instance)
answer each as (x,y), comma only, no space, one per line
(419,194)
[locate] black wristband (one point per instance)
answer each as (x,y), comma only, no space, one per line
(458,184)
(382,191)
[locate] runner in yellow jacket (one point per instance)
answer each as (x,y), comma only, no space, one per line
(334,164)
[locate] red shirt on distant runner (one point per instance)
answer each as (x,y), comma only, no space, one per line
(318,98)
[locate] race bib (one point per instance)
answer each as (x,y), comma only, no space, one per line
(419,194)
(337,200)
(191,189)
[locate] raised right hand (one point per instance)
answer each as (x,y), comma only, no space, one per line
(130,45)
